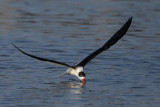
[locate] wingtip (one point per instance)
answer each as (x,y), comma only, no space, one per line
(130,19)
(14,46)
(17,48)
(128,23)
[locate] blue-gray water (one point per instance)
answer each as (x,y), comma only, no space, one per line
(126,75)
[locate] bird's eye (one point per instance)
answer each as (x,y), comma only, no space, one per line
(81,74)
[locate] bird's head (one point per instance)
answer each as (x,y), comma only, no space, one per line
(81,76)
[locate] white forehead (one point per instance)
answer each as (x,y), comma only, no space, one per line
(79,69)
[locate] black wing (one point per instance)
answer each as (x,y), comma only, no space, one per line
(118,35)
(43,59)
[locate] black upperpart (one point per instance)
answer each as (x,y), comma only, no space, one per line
(81,74)
(114,39)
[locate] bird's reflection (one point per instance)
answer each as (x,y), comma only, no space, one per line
(74,87)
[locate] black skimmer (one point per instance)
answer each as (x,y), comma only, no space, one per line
(77,70)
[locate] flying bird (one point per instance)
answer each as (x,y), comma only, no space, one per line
(77,70)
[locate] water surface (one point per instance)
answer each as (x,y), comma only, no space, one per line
(127,75)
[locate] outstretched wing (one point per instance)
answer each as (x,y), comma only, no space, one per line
(43,59)
(117,36)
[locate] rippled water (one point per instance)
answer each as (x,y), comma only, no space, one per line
(127,75)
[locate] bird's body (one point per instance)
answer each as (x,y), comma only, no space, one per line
(77,70)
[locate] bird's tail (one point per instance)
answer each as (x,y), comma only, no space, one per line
(60,75)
